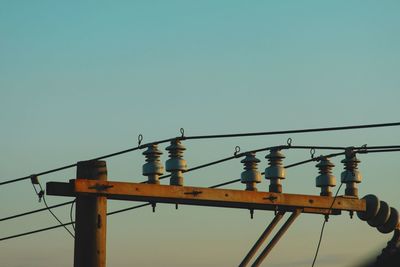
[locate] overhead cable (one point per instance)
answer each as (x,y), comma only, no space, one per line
(182,137)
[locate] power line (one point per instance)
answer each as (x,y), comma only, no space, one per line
(340,128)
(377,151)
(38,174)
(66,224)
(309,130)
(70,214)
(35,211)
(36,231)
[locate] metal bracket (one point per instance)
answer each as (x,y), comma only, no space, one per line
(271,198)
(194,193)
(100,187)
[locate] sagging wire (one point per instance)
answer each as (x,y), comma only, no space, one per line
(41,195)
(183,137)
(323,225)
(35,211)
(70,214)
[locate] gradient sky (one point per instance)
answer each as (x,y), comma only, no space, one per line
(79,79)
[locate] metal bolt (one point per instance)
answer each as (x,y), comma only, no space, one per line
(251,214)
(153,167)
(351,176)
(326,179)
(176,164)
(251,175)
(351,213)
(275,172)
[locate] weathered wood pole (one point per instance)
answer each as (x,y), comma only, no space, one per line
(90,219)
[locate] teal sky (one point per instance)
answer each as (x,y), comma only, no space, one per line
(80,79)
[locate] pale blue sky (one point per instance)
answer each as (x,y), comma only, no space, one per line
(83,78)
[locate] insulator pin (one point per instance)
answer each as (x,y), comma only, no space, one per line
(351,176)
(275,172)
(153,167)
(251,175)
(176,164)
(326,179)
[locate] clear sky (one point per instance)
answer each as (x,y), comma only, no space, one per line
(80,79)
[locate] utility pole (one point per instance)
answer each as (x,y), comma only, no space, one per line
(92,189)
(90,219)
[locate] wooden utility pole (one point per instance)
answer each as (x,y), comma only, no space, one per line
(90,219)
(92,189)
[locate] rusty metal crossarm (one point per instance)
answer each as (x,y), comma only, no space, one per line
(255,200)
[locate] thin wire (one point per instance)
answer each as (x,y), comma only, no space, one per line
(36,231)
(377,151)
(323,226)
(70,214)
(39,174)
(313,159)
(340,128)
(35,211)
(226,183)
(51,212)
(69,223)
(127,209)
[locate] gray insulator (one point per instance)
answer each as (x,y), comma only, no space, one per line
(326,179)
(382,216)
(153,167)
(391,223)
(372,208)
(351,176)
(275,172)
(176,164)
(251,175)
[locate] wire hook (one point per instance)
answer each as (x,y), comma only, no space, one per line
(35,181)
(237,150)
(364,148)
(182,132)
(140,139)
(312,152)
(289,142)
